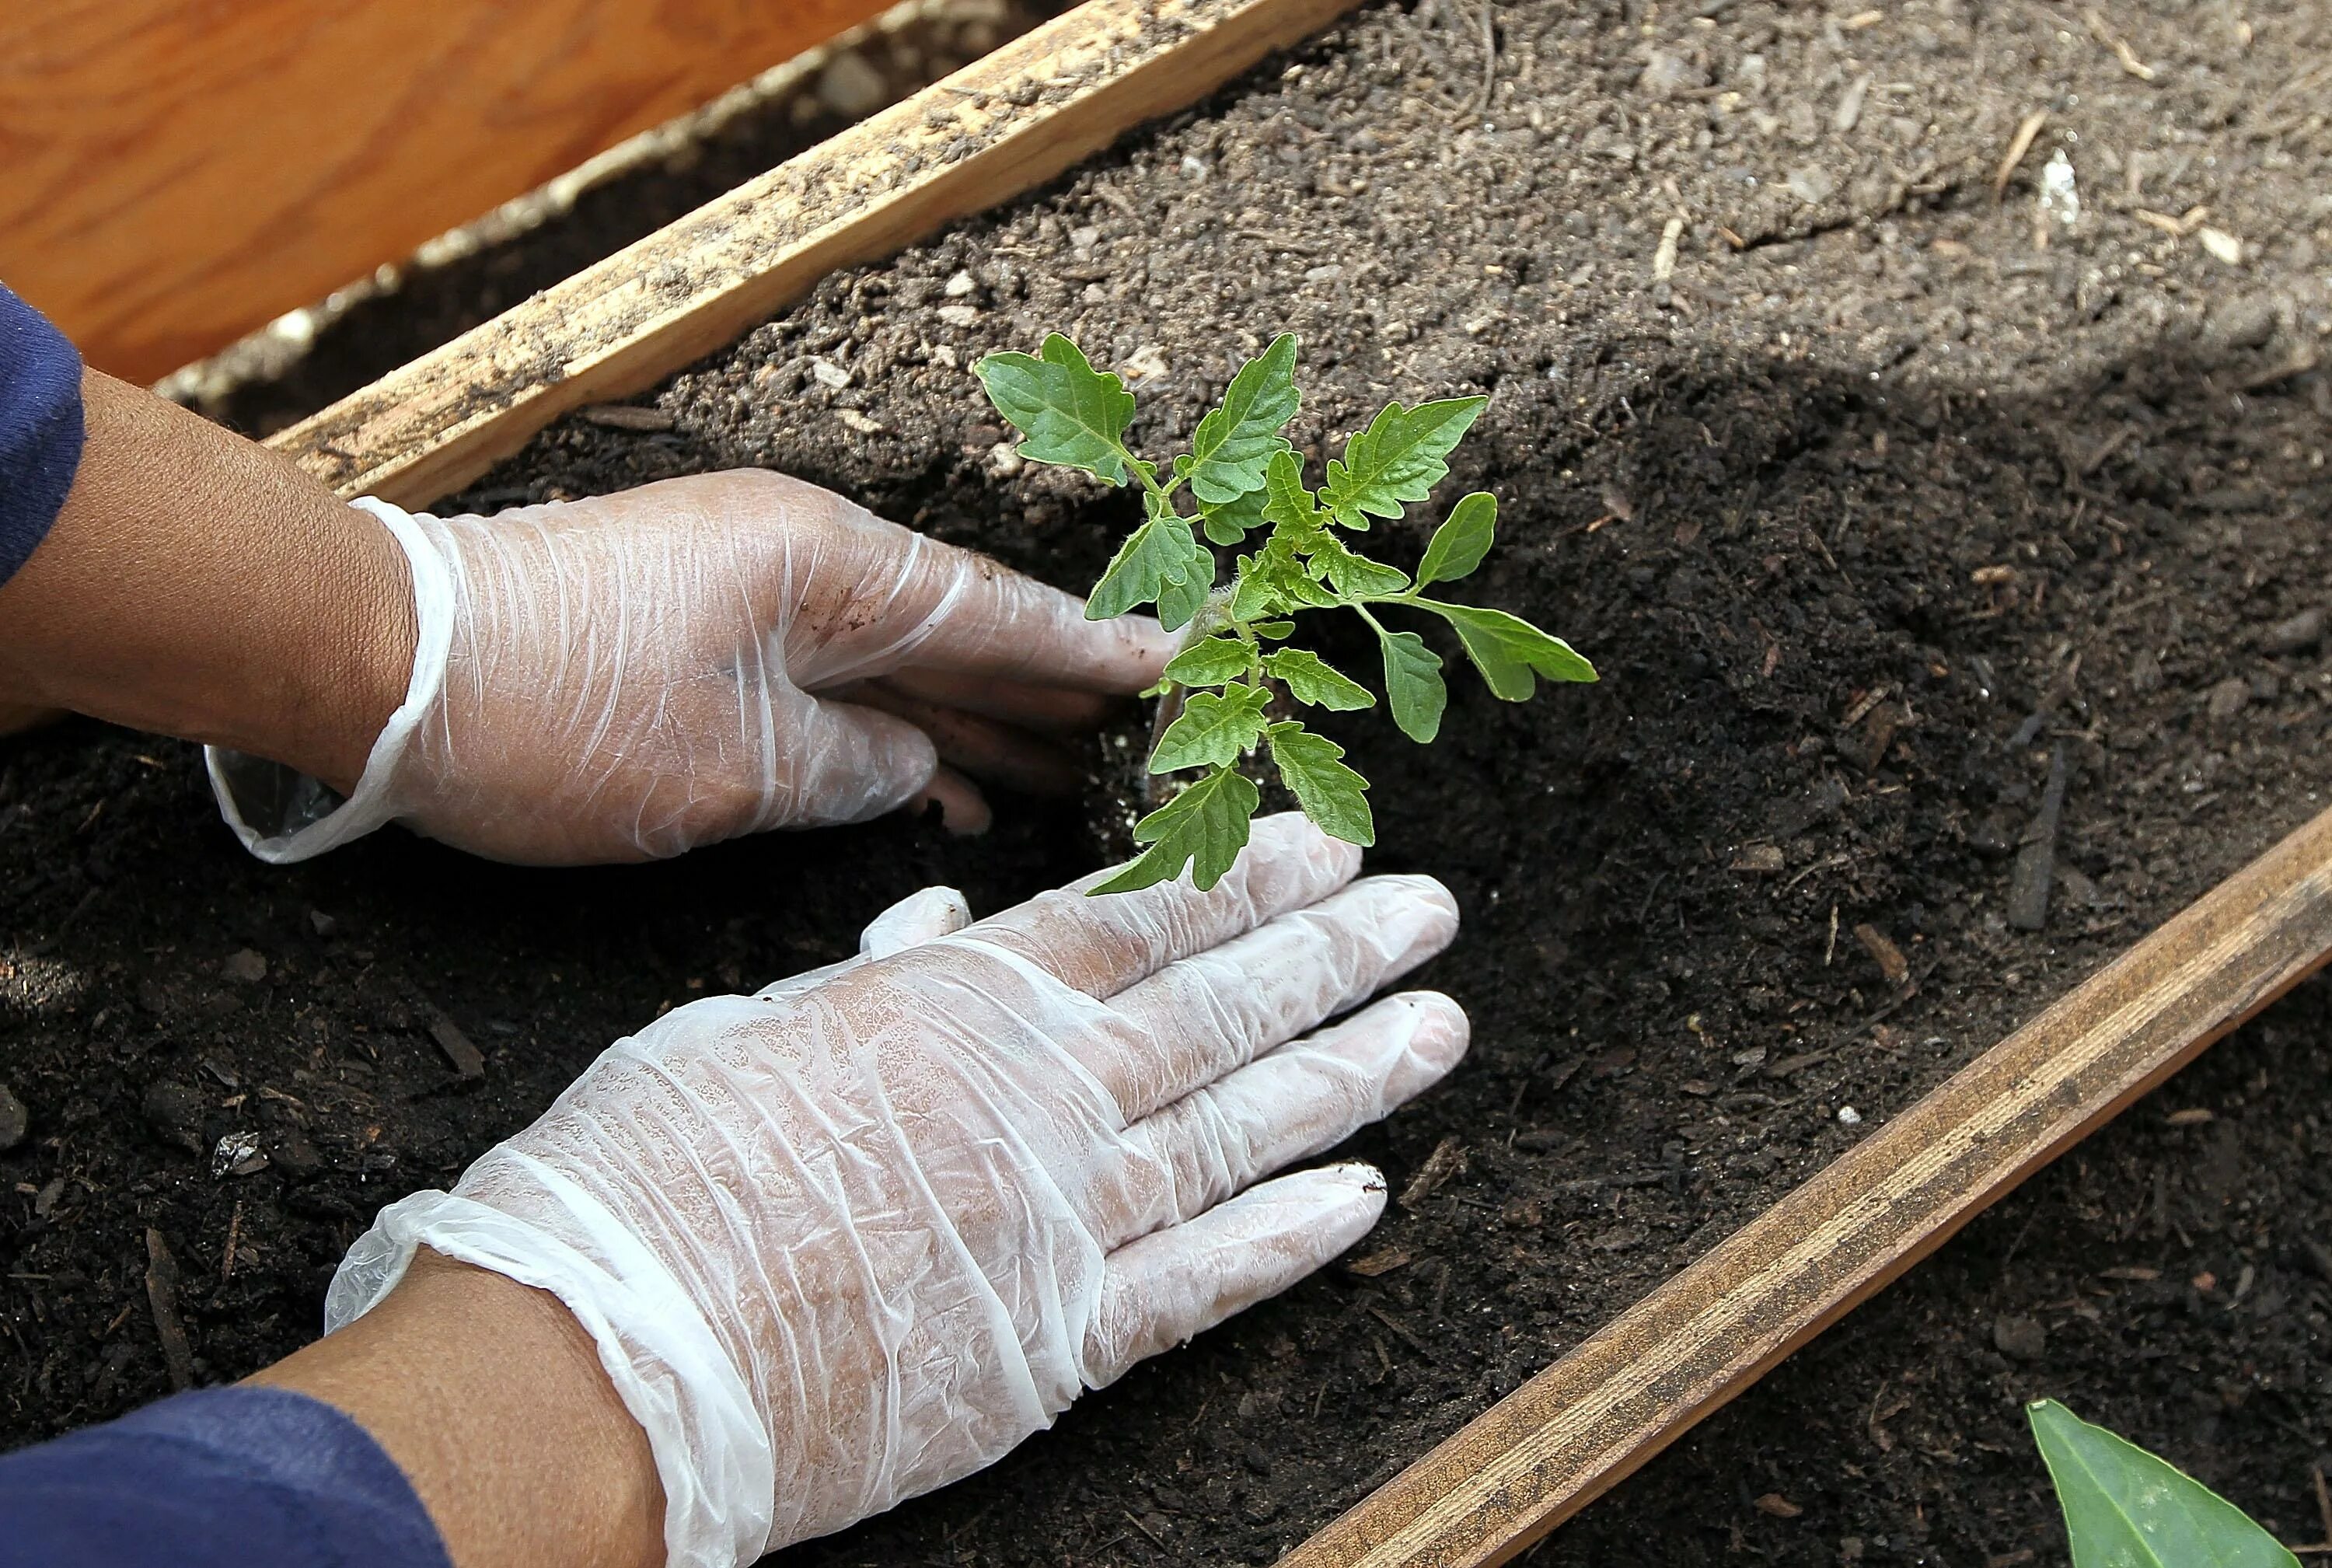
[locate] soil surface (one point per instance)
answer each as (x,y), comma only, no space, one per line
(1870,508)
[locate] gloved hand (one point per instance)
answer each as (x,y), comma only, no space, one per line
(854,1237)
(632,675)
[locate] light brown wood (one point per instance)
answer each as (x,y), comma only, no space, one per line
(1552,1446)
(1000,126)
(176,173)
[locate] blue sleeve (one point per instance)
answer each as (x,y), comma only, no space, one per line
(232,1478)
(40,428)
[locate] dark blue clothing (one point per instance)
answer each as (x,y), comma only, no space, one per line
(232,1478)
(40,428)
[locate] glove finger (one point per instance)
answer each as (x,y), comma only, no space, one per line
(966,613)
(1102,945)
(1045,709)
(1158,1291)
(1202,1015)
(988,749)
(1307,1096)
(920,917)
(964,811)
(846,763)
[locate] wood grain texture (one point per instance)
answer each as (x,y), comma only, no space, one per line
(1568,1435)
(994,130)
(176,173)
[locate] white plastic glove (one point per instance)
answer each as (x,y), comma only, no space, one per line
(856,1238)
(632,675)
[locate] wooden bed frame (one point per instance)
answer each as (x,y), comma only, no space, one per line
(1013,120)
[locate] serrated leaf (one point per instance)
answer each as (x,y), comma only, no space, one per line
(1231,521)
(1235,441)
(1313,680)
(1210,661)
(1155,554)
(1350,573)
(1509,651)
(1204,828)
(1398,459)
(2124,1508)
(1286,504)
(1068,412)
(1330,794)
(1459,544)
(1214,729)
(1414,689)
(1181,597)
(1272,582)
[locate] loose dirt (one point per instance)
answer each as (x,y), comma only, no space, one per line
(1870,507)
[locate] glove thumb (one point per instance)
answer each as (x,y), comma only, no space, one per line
(852,764)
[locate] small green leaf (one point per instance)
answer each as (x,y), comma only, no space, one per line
(1213,730)
(1232,521)
(1350,573)
(1275,630)
(1414,688)
(1205,827)
(1509,651)
(2124,1508)
(1181,598)
(1398,459)
(1313,680)
(1330,794)
(1459,544)
(1234,441)
(1210,661)
(1152,556)
(1068,412)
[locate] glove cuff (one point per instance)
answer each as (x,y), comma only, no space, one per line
(282,815)
(712,1453)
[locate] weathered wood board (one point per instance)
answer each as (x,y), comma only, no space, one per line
(1000,126)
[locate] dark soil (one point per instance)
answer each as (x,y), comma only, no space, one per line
(1863,522)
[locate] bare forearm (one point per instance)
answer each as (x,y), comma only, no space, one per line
(489,1397)
(200,586)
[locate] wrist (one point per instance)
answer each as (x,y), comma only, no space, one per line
(338,700)
(487,1394)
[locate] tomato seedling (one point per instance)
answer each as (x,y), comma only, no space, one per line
(1246,484)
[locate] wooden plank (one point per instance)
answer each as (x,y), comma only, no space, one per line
(176,173)
(1561,1440)
(994,130)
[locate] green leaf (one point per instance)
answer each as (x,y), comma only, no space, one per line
(1158,553)
(1272,629)
(1182,599)
(1234,441)
(1213,730)
(1272,582)
(1398,459)
(1509,651)
(1232,521)
(1285,502)
(1414,688)
(1459,544)
(1314,680)
(1204,828)
(1210,661)
(1068,412)
(1350,573)
(2124,1508)
(1330,794)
